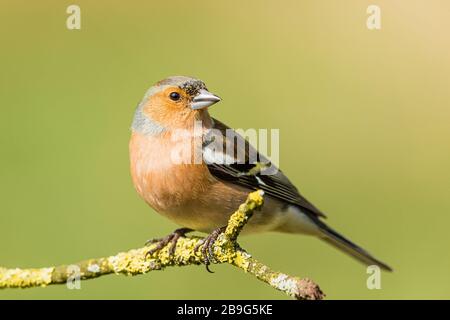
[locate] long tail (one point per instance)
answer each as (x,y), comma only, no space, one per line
(340,242)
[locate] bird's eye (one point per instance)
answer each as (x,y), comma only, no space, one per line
(175,96)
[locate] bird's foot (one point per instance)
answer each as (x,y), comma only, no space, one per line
(207,247)
(171,239)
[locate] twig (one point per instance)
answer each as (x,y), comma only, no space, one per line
(134,262)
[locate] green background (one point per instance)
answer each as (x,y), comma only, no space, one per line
(364,119)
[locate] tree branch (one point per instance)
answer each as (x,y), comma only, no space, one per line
(135,262)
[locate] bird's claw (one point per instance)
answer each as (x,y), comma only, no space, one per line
(207,247)
(171,239)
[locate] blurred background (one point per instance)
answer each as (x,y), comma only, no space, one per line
(364,127)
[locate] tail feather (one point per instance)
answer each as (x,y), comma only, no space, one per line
(335,239)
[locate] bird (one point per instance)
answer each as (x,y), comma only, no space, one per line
(181,166)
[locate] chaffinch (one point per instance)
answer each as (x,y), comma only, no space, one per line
(179,168)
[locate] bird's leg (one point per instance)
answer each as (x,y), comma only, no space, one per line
(208,247)
(171,239)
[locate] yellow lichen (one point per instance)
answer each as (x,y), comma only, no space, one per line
(185,251)
(23,278)
(240,217)
(257,197)
(242,261)
(131,262)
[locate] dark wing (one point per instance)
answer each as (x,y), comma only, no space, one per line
(259,174)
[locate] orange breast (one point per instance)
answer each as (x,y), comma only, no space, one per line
(185,193)
(158,175)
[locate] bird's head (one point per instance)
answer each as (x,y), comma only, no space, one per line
(173,103)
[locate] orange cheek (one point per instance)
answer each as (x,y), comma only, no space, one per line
(168,113)
(158,109)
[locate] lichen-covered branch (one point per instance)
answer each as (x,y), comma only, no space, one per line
(135,262)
